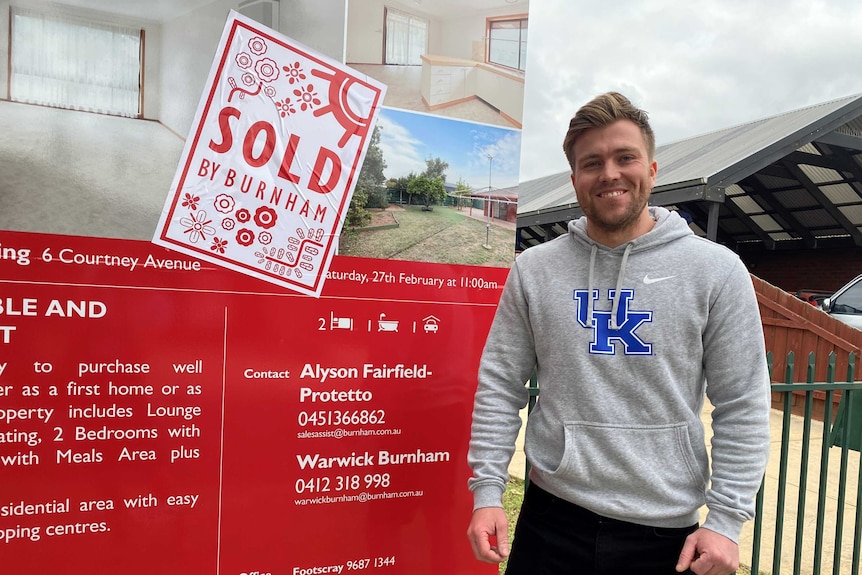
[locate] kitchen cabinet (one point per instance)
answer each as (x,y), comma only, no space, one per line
(447,81)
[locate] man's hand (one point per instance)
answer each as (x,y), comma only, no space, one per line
(489,534)
(707,553)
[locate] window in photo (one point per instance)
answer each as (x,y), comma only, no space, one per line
(507,42)
(67,62)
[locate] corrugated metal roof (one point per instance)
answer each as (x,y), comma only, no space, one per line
(841,193)
(547,192)
(795,199)
(792,176)
(820,175)
(707,156)
(851,128)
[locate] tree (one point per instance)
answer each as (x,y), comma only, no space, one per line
(428,189)
(399,186)
(435,168)
(357,216)
(371,174)
(370,180)
(462,192)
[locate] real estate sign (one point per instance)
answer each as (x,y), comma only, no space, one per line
(234,397)
(159,415)
(272,159)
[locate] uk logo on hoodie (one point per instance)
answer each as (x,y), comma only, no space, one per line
(609,332)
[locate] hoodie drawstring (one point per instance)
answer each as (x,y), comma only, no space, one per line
(590,285)
(616,305)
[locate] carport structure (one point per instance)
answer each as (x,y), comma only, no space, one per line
(792,181)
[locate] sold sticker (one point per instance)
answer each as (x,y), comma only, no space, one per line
(271,161)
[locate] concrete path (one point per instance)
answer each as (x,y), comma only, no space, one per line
(792,516)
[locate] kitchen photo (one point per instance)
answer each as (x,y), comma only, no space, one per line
(463,59)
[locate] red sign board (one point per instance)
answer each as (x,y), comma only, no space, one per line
(162,415)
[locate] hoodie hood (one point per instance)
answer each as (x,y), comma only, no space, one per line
(669,226)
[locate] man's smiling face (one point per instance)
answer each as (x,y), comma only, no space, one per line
(613,176)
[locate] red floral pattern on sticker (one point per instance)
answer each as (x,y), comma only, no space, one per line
(243,215)
(267,69)
(224,203)
(294,73)
(265,217)
(190,201)
(218,245)
(245,237)
(264,237)
(285,108)
(243,60)
(228,224)
(257,46)
(248,79)
(197,226)
(307,97)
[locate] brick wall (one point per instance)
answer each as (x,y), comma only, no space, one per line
(812,269)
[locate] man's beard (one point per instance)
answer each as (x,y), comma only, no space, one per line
(616,223)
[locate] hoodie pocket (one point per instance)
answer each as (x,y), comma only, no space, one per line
(635,470)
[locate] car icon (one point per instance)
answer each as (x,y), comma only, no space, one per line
(431,324)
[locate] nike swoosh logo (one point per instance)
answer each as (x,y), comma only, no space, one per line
(648,280)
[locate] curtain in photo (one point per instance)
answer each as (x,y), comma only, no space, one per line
(406,38)
(66,62)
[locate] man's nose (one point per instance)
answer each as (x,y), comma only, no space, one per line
(610,171)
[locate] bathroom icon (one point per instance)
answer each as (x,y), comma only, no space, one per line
(386,324)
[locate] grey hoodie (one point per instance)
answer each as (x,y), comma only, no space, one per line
(617,426)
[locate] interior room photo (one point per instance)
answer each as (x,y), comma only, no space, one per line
(459,58)
(97,98)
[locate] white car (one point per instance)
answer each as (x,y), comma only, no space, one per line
(846,303)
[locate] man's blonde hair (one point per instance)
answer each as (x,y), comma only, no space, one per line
(602,111)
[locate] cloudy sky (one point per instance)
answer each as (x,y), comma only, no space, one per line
(408,139)
(694,65)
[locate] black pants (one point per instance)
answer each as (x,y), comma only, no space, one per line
(556,537)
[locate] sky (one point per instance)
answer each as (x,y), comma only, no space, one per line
(694,65)
(407,139)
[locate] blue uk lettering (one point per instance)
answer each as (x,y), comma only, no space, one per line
(605,336)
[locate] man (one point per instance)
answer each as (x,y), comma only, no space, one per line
(628,321)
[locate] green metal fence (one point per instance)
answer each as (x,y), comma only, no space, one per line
(818,461)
